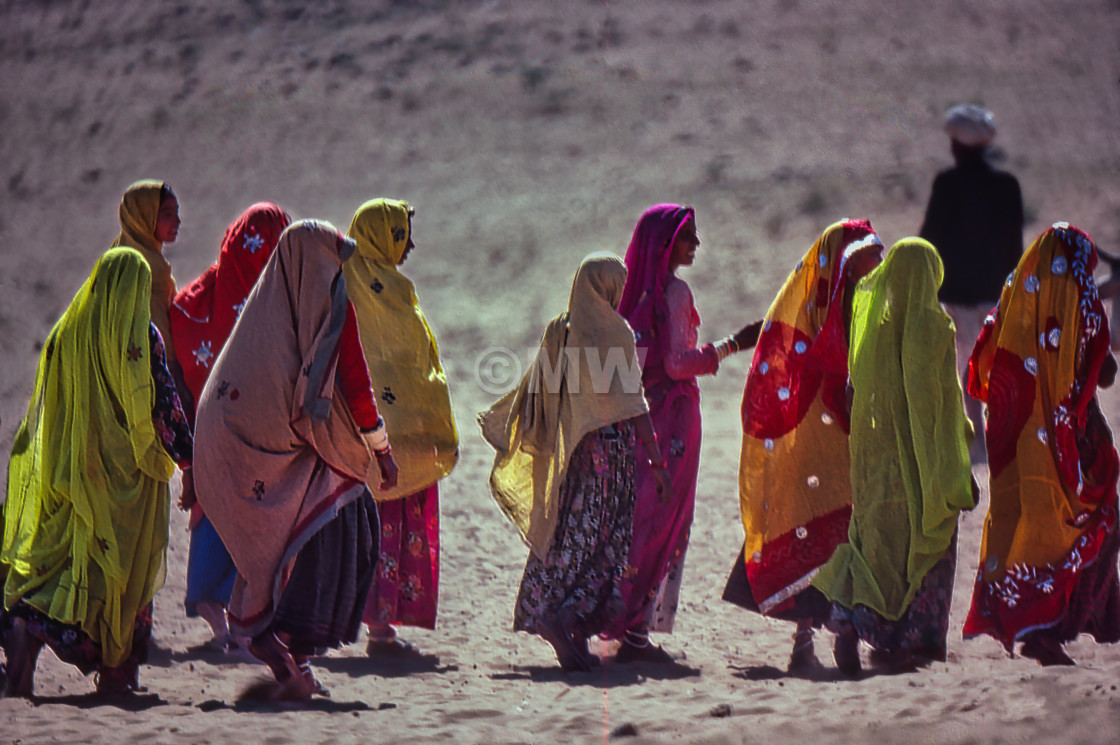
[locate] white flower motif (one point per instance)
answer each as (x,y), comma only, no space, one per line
(813,482)
(783,394)
(1010,279)
(756,557)
(801,532)
(764,368)
(203,354)
(1042,437)
(826,418)
(799,347)
(992,564)
(1031,283)
(1032,365)
(238,308)
(766,326)
(768,444)
(799,265)
(1054,337)
(823,261)
(253,242)
(1059,265)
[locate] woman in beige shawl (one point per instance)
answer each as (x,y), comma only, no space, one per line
(564,470)
(284,431)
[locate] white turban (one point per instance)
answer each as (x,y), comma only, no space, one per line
(970,125)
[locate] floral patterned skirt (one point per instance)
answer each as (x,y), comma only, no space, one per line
(922,629)
(75,647)
(579,577)
(406,589)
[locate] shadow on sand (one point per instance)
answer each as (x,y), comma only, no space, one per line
(607,675)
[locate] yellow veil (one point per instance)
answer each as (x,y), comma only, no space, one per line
(563,396)
(401,351)
(138,212)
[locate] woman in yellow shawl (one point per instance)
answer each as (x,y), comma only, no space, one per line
(564,469)
(86,517)
(794,489)
(892,582)
(405,368)
(1048,561)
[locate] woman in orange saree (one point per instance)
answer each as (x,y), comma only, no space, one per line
(1048,560)
(794,490)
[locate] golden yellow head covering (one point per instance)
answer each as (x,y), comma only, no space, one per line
(794,493)
(138,212)
(400,349)
(1052,464)
(586,375)
(86,517)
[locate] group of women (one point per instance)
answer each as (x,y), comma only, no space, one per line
(255,380)
(855,453)
(258,382)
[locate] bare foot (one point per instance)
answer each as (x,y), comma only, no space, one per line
(214,613)
(272,652)
(649,652)
(22,650)
(309,678)
(384,642)
(571,658)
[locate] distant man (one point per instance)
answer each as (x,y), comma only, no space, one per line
(975,220)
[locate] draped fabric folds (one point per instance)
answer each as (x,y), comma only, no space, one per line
(401,350)
(586,375)
(278,453)
(794,487)
(1052,463)
(86,516)
(138,211)
(910,470)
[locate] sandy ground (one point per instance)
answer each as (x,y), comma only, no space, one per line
(527,134)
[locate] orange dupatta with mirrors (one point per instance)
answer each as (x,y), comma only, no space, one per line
(794,487)
(1053,467)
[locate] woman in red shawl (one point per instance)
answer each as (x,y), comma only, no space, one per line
(202,317)
(1048,561)
(658,305)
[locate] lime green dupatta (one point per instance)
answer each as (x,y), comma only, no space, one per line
(86,516)
(909,441)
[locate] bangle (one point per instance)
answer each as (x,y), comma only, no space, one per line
(384,451)
(659,464)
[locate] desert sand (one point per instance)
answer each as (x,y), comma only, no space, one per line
(528,133)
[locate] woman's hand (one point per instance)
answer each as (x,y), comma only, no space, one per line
(388,467)
(747,337)
(188,498)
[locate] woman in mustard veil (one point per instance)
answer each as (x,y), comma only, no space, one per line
(86,516)
(794,471)
(566,450)
(408,377)
(892,582)
(1048,561)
